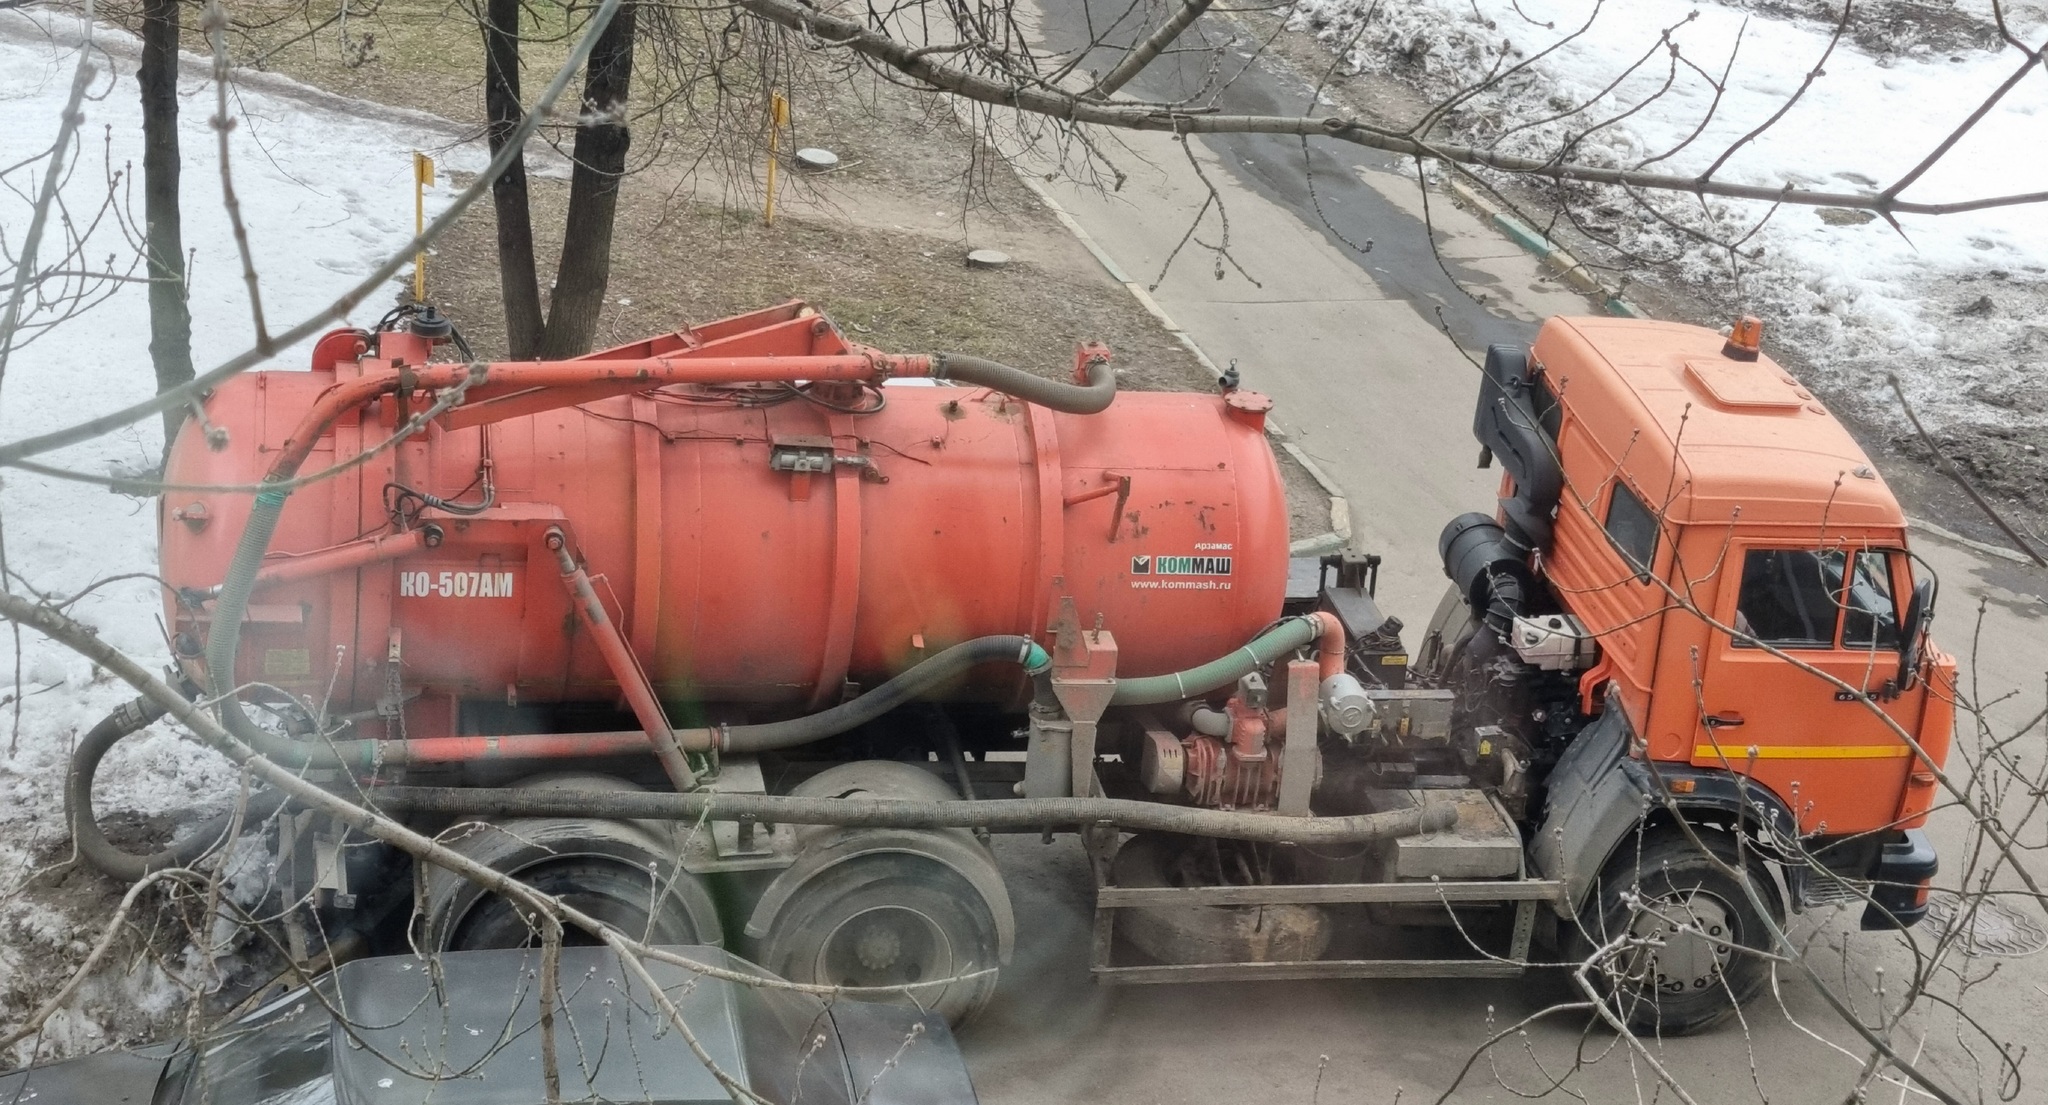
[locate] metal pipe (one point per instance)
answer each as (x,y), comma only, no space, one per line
(421,751)
(355,554)
(1330,646)
(997,815)
(589,379)
(625,667)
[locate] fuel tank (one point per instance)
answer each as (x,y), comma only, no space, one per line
(758,545)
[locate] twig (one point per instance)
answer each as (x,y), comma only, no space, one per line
(1956,474)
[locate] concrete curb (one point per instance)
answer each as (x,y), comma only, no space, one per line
(1339,534)
(1985,547)
(1568,268)
(1340,506)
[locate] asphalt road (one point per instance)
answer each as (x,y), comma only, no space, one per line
(1357,347)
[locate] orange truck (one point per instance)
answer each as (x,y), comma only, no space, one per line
(735,606)
(1715,588)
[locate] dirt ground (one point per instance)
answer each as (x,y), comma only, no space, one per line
(879,244)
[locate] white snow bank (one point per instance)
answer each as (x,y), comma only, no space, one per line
(1856,299)
(325,196)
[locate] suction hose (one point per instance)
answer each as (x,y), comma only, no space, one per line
(367,755)
(92,843)
(1001,815)
(1092,398)
(1290,635)
(912,684)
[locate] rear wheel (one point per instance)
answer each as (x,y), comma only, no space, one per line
(910,908)
(1677,934)
(890,919)
(624,873)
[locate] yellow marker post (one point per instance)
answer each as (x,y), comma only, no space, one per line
(422,179)
(778,119)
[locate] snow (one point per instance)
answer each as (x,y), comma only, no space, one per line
(325,195)
(1856,300)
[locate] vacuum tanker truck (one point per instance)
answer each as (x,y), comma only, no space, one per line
(728,637)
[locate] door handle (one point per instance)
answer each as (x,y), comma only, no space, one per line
(1723,721)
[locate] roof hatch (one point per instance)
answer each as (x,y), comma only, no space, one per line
(1744,385)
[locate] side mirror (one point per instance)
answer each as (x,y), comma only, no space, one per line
(1913,634)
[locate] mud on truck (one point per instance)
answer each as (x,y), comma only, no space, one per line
(731,637)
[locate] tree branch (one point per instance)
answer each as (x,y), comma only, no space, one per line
(91,428)
(850,34)
(1142,54)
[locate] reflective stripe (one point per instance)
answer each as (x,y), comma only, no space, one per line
(1815,752)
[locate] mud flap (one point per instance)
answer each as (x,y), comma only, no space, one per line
(1592,805)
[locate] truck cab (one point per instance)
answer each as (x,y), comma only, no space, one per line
(1731,579)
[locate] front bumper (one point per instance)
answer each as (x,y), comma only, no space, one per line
(1899,881)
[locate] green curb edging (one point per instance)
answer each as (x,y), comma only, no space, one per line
(1524,235)
(1568,268)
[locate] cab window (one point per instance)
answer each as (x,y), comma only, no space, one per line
(1790,597)
(1633,529)
(1871,619)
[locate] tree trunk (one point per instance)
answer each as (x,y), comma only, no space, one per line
(518,284)
(600,153)
(170,320)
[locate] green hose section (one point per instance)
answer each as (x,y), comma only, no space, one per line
(1036,659)
(1289,635)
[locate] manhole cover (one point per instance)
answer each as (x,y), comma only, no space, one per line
(1987,927)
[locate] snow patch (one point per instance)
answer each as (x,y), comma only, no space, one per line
(1953,303)
(326,195)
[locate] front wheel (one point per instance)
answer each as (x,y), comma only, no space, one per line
(1677,937)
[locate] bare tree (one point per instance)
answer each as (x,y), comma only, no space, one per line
(170,341)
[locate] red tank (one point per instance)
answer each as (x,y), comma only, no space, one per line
(752,544)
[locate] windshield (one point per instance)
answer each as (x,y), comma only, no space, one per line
(276,1055)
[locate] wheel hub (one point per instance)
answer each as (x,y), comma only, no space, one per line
(885,946)
(1686,941)
(878,946)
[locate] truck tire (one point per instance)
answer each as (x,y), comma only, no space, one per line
(624,873)
(888,907)
(889,919)
(1694,931)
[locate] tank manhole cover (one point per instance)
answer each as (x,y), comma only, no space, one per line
(1992,928)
